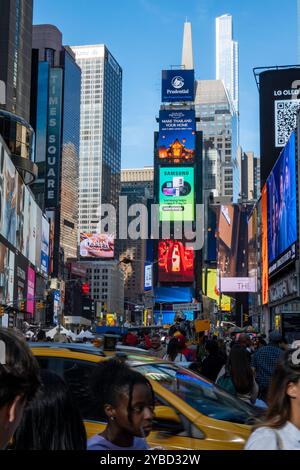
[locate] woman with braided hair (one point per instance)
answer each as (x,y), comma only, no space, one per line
(126,398)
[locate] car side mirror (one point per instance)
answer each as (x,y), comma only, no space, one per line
(167,421)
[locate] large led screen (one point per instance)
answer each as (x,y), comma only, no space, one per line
(96,245)
(212,290)
(175,262)
(177,137)
(282,216)
(176,194)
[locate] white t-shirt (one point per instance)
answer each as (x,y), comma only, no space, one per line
(285,438)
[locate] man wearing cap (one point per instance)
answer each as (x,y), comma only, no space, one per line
(264,362)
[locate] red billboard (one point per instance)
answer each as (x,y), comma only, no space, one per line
(175,262)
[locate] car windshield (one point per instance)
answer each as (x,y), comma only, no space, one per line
(206,397)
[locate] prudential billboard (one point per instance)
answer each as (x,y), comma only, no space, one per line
(178,85)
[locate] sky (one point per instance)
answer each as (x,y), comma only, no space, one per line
(145,36)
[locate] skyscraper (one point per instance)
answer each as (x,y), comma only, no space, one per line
(100,133)
(55,116)
(218,122)
(227,57)
(15,63)
(187,49)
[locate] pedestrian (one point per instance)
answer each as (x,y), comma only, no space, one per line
(19,382)
(213,362)
(157,349)
(281,428)
(52,421)
(189,354)
(173,352)
(264,362)
(238,377)
(126,398)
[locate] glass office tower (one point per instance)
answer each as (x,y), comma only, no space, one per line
(100,133)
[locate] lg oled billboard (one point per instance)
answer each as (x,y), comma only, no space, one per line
(177,137)
(96,245)
(279,103)
(175,262)
(178,85)
(282,208)
(176,194)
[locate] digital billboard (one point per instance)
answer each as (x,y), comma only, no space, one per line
(282,211)
(21,280)
(45,247)
(30,290)
(177,137)
(264,248)
(176,194)
(96,245)
(211,290)
(7,263)
(175,262)
(233,249)
(147,276)
(252,244)
(178,85)
(279,95)
(9,180)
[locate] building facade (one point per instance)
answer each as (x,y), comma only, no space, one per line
(15,64)
(227,57)
(55,116)
(218,121)
(100,133)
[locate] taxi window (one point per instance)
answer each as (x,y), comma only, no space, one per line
(200,394)
(77,375)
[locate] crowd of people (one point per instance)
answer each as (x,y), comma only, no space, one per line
(37,410)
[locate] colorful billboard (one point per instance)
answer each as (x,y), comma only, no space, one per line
(282,212)
(7,263)
(175,262)
(96,245)
(45,247)
(176,194)
(233,249)
(178,85)
(211,290)
(264,248)
(9,194)
(30,290)
(177,137)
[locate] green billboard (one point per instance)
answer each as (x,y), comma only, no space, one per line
(176,194)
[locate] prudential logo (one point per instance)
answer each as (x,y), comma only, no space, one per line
(177,82)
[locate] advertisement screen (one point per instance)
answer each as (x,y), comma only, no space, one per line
(176,194)
(211,290)
(45,246)
(282,215)
(177,137)
(9,180)
(7,263)
(96,245)
(30,291)
(233,249)
(175,262)
(279,103)
(252,245)
(264,248)
(178,85)
(147,276)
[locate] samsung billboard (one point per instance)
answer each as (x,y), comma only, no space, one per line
(178,86)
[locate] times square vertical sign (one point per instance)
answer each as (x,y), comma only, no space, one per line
(54,138)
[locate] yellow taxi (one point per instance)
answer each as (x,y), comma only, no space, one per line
(190,412)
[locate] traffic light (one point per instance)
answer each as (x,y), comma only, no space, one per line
(2,310)
(22,306)
(246,317)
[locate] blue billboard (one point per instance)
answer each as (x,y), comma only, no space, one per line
(282,212)
(177,137)
(178,86)
(147,276)
(54,138)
